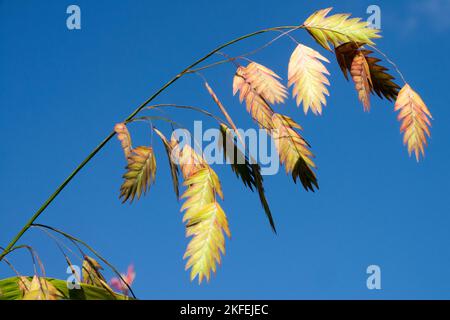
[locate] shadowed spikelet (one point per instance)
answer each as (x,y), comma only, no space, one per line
(382,82)
(248,171)
(168,146)
(415,120)
(344,56)
(238,161)
(294,151)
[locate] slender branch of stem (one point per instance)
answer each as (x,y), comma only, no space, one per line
(131,116)
(10,265)
(213,64)
(19,276)
(43,226)
(389,61)
(150,118)
(55,194)
(224,111)
(29,249)
(231,59)
(177,106)
(283,33)
(221,107)
(60,246)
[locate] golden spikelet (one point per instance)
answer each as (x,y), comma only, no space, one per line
(415,120)
(361,77)
(265,82)
(294,151)
(141,171)
(338,29)
(308,76)
(206,223)
(205,219)
(259,87)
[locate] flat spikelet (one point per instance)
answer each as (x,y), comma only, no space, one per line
(338,29)
(294,151)
(206,224)
(307,74)
(415,120)
(238,161)
(345,53)
(249,173)
(205,219)
(168,146)
(265,82)
(141,171)
(124,137)
(361,77)
(382,82)
(259,87)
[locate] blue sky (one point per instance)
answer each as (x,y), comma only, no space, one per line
(62,91)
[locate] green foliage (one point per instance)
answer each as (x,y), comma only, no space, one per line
(10,289)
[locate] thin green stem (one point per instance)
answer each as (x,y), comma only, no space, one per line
(151,118)
(231,59)
(176,106)
(130,117)
(390,62)
(72,238)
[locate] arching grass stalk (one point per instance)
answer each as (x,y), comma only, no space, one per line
(130,117)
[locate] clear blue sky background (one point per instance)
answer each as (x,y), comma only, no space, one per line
(62,91)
